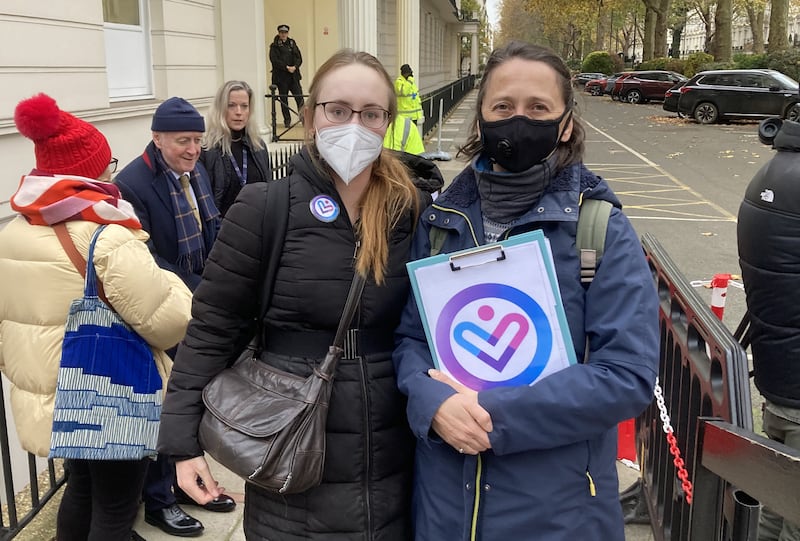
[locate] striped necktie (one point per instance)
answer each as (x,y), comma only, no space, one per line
(187,192)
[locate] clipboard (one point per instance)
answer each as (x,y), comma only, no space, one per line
(493,315)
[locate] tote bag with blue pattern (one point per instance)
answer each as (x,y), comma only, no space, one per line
(109,391)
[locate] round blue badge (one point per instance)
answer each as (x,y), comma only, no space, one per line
(324,208)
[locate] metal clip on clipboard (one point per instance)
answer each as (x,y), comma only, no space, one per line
(484,250)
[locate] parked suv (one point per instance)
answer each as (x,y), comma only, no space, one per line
(643,86)
(711,96)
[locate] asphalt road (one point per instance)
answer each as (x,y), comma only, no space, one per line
(679,181)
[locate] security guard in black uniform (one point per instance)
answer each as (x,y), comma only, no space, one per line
(284,54)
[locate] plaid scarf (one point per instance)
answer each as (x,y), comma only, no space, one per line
(48,200)
(191,248)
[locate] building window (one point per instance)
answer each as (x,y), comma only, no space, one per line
(128,61)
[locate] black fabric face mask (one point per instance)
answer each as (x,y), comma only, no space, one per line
(518,143)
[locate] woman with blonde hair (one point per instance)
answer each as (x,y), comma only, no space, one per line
(352,208)
(233,153)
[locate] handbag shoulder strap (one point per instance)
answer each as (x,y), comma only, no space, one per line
(274,224)
(75,256)
(350,305)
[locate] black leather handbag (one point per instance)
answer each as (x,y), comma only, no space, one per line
(267,425)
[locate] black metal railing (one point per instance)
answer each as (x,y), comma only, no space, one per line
(279,159)
(31,499)
(444,100)
(276,102)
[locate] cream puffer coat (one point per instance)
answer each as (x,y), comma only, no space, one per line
(39,283)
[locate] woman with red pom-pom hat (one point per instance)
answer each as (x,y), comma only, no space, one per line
(68,193)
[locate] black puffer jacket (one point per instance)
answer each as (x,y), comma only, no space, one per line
(365,493)
(768,234)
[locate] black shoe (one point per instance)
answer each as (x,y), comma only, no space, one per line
(287,125)
(136,537)
(221,504)
(174,521)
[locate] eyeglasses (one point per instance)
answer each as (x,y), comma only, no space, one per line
(112,165)
(339,113)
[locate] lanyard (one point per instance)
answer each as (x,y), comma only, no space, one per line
(241,173)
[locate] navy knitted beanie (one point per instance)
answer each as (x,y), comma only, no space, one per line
(177,114)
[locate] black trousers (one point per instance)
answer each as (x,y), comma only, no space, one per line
(101,500)
(158,483)
(285,86)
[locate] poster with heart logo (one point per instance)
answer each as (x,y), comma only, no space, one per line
(493,315)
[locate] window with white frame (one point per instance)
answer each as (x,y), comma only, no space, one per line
(128,61)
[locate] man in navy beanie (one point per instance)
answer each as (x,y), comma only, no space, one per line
(171,194)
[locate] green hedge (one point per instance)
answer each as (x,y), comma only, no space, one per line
(598,62)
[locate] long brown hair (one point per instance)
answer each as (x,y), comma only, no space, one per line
(568,152)
(390,193)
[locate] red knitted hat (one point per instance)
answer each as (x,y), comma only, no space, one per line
(64,144)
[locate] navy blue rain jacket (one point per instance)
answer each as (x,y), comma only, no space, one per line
(550,474)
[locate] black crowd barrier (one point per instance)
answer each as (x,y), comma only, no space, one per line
(21,507)
(443,99)
(703,374)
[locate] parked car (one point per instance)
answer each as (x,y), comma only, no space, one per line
(643,86)
(711,96)
(581,79)
(616,85)
(596,87)
(612,79)
(671,97)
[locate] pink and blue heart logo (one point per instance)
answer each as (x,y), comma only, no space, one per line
(324,208)
(493,341)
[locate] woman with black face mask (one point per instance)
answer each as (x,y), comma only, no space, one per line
(530,461)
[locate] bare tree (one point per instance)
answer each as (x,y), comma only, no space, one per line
(755,16)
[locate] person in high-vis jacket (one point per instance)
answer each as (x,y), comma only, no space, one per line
(403,135)
(409,103)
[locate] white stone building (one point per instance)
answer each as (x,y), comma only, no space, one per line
(111,62)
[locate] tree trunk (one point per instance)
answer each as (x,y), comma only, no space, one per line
(778,26)
(677,32)
(756,19)
(599,38)
(722,31)
(660,34)
(705,15)
(649,34)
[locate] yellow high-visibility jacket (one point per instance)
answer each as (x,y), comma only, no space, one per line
(408,101)
(402,134)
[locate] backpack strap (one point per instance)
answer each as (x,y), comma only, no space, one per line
(591,237)
(437,236)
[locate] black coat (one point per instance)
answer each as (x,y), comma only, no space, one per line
(225,184)
(768,233)
(282,54)
(365,492)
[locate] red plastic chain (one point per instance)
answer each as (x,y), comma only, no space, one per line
(683,475)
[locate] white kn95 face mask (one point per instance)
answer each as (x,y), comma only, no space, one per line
(348,149)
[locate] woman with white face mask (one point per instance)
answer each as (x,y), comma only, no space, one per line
(352,208)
